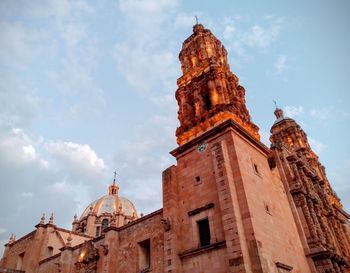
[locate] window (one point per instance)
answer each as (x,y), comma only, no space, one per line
(98,231)
(49,251)
(283,268)
(104,224)
(267,209)
(204,232)
(20,261)
(144,255)
(83,227)
(256,170)
(197,180)
(207,101)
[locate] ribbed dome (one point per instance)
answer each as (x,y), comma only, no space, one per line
(109,204)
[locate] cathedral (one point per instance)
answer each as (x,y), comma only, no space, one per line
(230,204)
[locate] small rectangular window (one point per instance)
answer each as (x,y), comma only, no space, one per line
(256,169)
(145,255)
(97,231)
(283,268)
(204,232)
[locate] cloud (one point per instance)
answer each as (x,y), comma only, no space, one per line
(185,20)
(45,175)
(148,152)
(19,44)
(145,56)
(319,114)
(75,154)
(293,111)
(260,37)
(2,230)
(245,37)
(143,68)
(281,64)
(228,32)
(316,145)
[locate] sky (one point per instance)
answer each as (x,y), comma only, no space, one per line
(87,87)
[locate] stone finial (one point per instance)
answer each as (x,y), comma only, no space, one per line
(42,219)
(12,239)
(91,209)
(113,220)
(134,215)
(51,219)
(141,214)
(75,218)
(69,239)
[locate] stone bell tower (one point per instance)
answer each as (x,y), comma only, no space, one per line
(224,206)
(208,92)
(323,224)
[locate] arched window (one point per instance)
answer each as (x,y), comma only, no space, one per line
(104,224)
(49,251)
(82,227)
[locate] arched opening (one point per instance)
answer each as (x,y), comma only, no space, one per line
(207,101)
(104,224)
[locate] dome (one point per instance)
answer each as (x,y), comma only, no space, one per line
(109,204)
(107,211)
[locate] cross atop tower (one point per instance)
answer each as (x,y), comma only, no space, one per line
(113,189)
(115,175)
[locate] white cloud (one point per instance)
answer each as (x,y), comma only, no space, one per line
(320,114)
(261,37)
(27,194)
(66,176)
(73,33)
(29,151)
(19,44)
(148,151)
(281,64)
(246,37)
(2,230)
(145,57)
(229,31)
(316,145)
(293,111)
(144,69)
(74,153)
(185,20)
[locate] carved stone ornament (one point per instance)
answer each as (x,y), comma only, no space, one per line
(166,224)
(88,257)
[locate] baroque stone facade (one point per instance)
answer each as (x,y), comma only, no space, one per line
(230,204)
